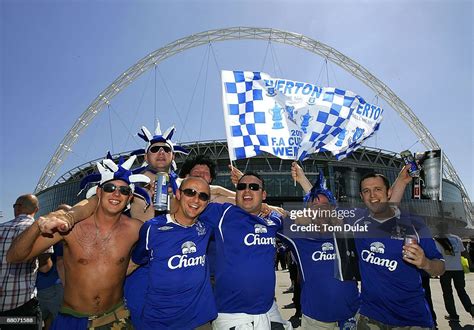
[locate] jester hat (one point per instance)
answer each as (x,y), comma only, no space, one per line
(109,171)
(319,188)
(159,137)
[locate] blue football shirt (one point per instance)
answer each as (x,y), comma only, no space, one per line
(179,294)
(323,297)
(392,292)
(245,252)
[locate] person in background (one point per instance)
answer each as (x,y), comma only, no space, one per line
(326,302)
(295,289)
(425,282)
(280,256)
(203,167)
(451,247)
(18,294)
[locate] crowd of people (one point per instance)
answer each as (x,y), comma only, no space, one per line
(113,262)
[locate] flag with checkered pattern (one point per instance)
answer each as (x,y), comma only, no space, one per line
(292,119)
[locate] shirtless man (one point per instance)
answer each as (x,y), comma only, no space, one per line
(96,253)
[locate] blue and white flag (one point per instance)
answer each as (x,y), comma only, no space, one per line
(292,119)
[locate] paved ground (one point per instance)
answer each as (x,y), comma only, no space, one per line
(283,282)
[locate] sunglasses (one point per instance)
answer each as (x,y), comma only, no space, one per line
(252,186)
(191,193)
(156,149)
(110,188)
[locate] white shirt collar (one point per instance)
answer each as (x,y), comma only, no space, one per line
(396,214)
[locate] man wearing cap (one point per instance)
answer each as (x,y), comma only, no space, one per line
(96,252)
(159,155)
(315,254)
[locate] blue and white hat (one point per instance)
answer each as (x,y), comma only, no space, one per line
(160,137)
(109,171)
(165,137)
(319,188)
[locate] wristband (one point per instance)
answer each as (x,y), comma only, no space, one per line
(70,219)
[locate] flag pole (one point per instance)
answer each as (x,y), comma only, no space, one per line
(232,169)
(296,160)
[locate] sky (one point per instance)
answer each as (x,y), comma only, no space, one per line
(57,56)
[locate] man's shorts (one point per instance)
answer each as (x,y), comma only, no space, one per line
(366,323)
(117,317)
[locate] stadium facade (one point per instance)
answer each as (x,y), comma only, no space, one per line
(342,178)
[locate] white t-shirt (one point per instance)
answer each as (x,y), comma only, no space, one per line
(452,262)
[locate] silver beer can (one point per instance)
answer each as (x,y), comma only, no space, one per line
(160,200)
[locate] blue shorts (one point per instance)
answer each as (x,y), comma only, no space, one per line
(117,317)
(70,322)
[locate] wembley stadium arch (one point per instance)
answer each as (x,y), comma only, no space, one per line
(242,33)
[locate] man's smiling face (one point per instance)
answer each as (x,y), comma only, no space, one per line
(375,195)
(250,194)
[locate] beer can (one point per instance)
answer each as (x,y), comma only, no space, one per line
(411,239)
(409,159)
(160,200)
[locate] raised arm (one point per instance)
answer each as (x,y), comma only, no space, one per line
(31,242)
(221,195)
(78,212)
(400,184)
(298,175)
(83,209)
(235,174)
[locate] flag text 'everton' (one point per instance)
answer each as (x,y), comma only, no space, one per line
(292,119)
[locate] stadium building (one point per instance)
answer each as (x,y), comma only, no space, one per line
(342,178)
